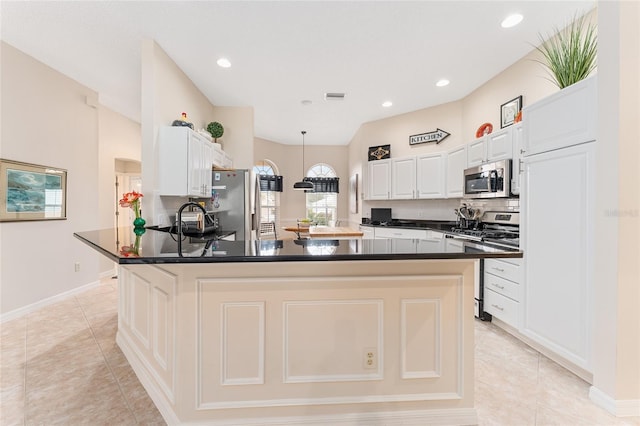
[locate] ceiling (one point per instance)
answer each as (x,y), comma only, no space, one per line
(286,52)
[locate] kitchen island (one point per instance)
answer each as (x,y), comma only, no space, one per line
(314,332)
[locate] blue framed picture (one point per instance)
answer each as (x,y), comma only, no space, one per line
(32,192)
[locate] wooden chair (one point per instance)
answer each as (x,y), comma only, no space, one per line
(267,231)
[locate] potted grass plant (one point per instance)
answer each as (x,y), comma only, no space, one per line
(570,55)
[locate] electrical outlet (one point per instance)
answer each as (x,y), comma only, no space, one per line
(370,358)
(77,266)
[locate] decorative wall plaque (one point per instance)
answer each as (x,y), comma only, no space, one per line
(436,136)
(379,152)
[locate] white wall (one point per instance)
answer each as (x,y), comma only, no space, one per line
(46,121)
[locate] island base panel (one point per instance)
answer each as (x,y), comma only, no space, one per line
(341,343)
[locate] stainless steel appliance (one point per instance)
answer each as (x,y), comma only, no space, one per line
(496,228)
(232,202)
(491,180)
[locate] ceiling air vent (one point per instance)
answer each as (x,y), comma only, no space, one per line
(334,96)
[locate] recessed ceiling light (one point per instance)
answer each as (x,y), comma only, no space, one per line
(223,62)
(443,82)
(511,20)
(387,104)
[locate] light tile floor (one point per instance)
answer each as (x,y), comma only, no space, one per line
(61,366)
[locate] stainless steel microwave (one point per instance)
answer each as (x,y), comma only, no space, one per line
(491,180)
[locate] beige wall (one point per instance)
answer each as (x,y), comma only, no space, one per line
(617,318)
(288,159)
(237,140)
(166,93)
(46,120)
(119,139)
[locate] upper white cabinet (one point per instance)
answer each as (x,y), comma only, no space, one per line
(403,178)
(477,152)
(380,179)
(566,118)
(456,162)
(492,147)
(430,175)
(185,160)
(516,165)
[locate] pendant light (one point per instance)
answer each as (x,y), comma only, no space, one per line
(303,185)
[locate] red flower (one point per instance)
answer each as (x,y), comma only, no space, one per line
(131,199)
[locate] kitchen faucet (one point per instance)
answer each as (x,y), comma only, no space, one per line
(179,220)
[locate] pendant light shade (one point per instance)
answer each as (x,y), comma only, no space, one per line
(303,185)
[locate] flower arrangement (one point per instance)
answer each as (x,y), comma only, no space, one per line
(132,199)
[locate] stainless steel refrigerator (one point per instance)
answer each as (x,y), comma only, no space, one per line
(233,201)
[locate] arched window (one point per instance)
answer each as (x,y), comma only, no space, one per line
(269,200)
(322,207)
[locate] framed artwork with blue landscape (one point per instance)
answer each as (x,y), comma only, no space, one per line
(32,192)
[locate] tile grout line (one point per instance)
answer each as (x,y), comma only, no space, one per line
(126,400)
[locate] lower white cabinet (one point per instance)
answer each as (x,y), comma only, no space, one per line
(558,286)
(402,233)
(502,289)
(368,233)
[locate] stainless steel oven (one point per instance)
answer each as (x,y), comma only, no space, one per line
(489,180)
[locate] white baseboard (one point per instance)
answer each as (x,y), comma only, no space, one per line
(20,312)
(619,407)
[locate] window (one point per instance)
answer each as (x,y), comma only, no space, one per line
(322,207)
(269,200)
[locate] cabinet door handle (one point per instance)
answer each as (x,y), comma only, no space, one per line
(497,307)
(497,269)
(501,287)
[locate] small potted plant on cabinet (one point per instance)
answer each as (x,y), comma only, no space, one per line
(216,130)
(570,55)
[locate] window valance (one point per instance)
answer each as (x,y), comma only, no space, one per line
(321,184)
(270,183)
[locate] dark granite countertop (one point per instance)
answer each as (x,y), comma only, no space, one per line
(436,225)
(155,247)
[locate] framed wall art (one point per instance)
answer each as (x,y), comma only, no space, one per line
(379,152)
(32,192)
(509,110)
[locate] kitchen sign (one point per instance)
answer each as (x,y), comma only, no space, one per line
(436,136)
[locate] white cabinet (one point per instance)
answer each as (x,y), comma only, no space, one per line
(380,180)
(516,164)
(456,162)
(401,233)
(502,279)
(403,178)
(430,176)
(477,152)
(558,271)
(566,118)
(433,241)
(368,233)
(185,160)
(500,145)
(492,147)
